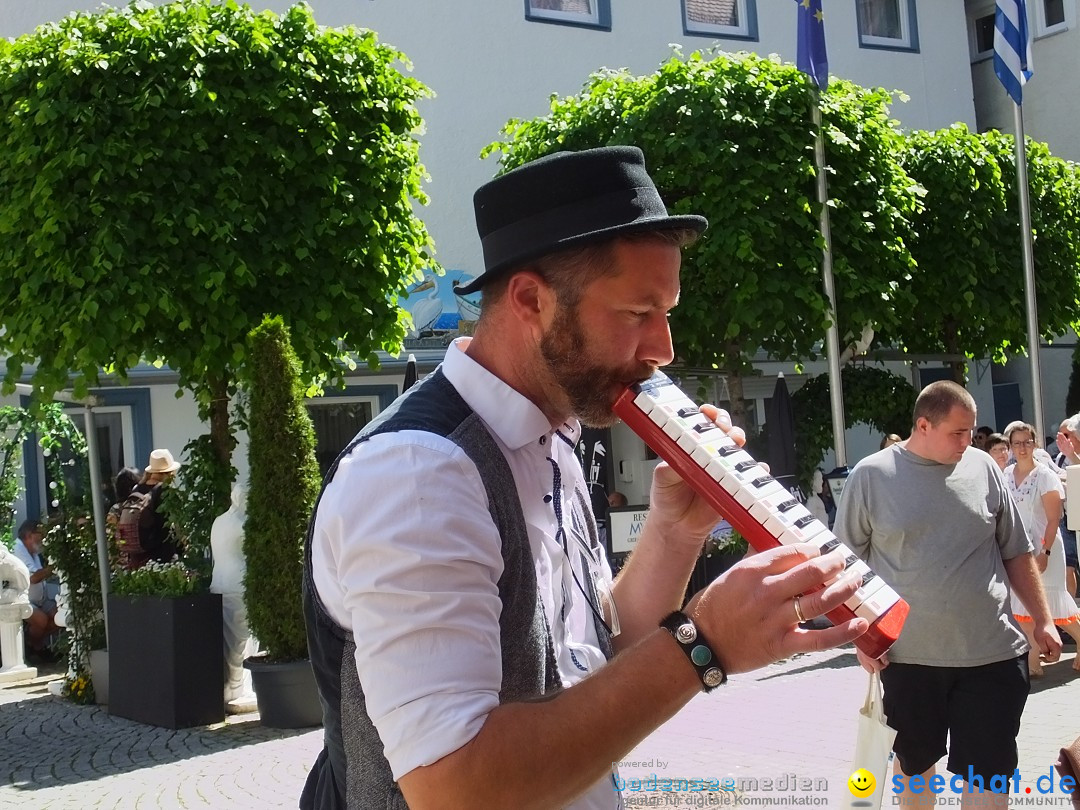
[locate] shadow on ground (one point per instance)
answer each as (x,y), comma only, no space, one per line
(1056,675)
(844,658)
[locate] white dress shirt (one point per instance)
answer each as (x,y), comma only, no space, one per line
(406,555)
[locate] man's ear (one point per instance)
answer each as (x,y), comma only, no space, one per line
(530,299)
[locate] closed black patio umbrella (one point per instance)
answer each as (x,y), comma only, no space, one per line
(410,374)
(780,422)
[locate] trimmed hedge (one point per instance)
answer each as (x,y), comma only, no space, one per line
(284,483)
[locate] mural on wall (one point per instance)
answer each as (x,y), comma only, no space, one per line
(437,311)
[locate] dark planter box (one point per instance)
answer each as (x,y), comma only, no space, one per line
(166,660)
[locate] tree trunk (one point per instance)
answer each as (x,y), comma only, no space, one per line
(736,396)
(221,437)
(952,346)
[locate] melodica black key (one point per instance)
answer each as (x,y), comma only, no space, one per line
(755,503)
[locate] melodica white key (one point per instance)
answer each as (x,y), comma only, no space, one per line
(754,502)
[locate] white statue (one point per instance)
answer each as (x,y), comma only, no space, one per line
(227,546)
(814,504)
(14,608)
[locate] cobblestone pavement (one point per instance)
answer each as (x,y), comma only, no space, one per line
(56,755)
(796,719)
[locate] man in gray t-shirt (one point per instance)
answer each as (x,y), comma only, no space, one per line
(932,517)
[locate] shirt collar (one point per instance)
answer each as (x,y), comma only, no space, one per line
(513,418)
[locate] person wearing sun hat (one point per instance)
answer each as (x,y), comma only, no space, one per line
(142,531)
(161,464)
(470,647)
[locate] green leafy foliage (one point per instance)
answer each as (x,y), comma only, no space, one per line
(157,579)
(16,425)
(69,542)
(871,395)
(284,483)
(173,172)
(731,137)
(969,278)
(196,497)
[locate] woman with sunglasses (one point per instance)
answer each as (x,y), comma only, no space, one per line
(1039,495)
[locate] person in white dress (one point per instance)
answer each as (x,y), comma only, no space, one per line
(1039,495)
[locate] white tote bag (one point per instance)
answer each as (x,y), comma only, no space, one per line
(873,749)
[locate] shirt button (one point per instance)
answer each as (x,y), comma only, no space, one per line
(543,440)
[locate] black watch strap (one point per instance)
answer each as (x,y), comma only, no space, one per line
(697,649)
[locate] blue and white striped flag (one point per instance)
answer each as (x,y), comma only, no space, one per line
(1012,47)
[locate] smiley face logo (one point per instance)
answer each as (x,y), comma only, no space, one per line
(861,783)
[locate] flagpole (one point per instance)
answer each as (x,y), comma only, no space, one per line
(832,340)
(1029,272)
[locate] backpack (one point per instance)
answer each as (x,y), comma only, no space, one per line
(136,515)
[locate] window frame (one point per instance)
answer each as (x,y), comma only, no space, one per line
(377,395)
(748,31)
(133,405)
(1044,30)
(909,30)
(973,34)
(600,20)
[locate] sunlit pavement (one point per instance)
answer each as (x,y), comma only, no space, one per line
(792,723)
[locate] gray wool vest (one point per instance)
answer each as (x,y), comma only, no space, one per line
(351,771)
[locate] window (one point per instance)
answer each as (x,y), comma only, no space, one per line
(1053,13)
(115,438)
(982,36)
(887,24)
(338,415)
(588,13)
(731,19)
(123,432)
(1053,16)
(337,420)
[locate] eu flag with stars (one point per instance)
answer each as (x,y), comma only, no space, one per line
(812,59)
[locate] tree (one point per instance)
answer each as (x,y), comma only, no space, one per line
(284,485)
(966,242)
(172,173)
(731,137)
(874,396)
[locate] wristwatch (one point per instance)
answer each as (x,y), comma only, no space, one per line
(697,649)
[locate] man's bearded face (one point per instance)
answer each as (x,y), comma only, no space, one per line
(590,384)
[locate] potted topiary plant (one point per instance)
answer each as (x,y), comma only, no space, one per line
(166,664)
(283,485)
